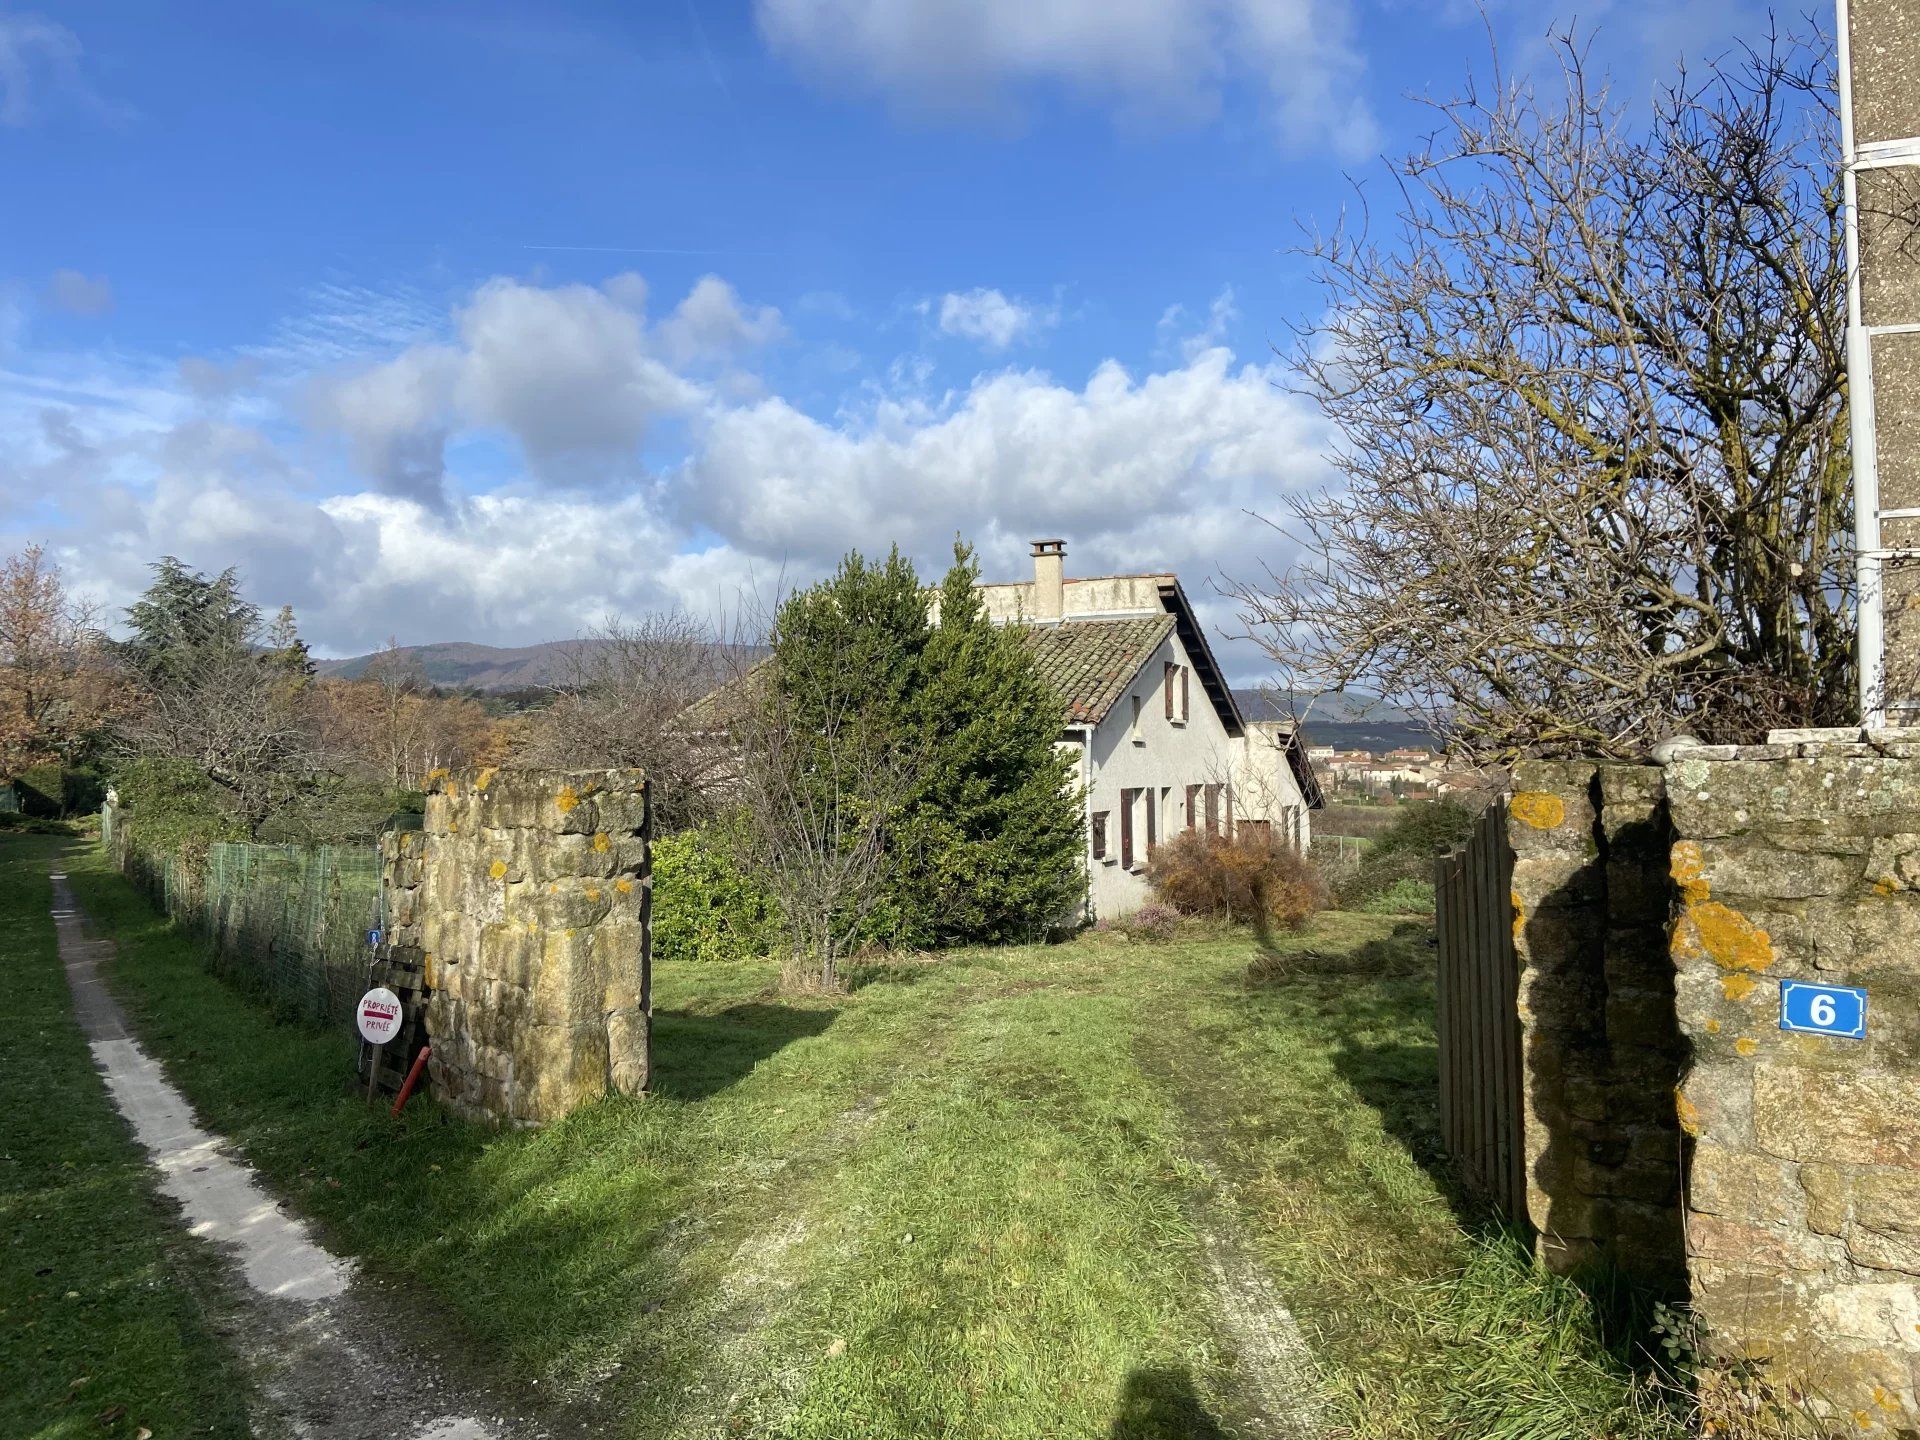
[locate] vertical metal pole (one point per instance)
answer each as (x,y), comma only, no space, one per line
(1866,471)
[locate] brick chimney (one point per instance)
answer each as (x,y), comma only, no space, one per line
(1049,578)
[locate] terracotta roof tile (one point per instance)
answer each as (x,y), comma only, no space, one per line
(1090,663)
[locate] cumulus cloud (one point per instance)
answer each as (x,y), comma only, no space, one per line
(83,295)
(1138,470)
(1172,57)
(569,372)
(712,325)
(993,320)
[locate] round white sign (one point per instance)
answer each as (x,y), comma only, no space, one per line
(379,1015)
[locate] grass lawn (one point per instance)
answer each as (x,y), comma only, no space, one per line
(107,1312)
(977,1195)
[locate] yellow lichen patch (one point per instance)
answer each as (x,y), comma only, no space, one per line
(1746,1045)
(497,869)
(623,886)
(439,772)
(1723,935)
(1885,885)
(602,842)
(1519,914)
(1687,1115)
(593,894)
(1883,1399)
(1713,1027)
(1538,809)
(1736,987)
(1688,868)
(567,799)
(485,777)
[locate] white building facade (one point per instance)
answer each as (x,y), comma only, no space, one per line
(1159,744)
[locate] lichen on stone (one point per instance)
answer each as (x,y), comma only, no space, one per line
(1538,808)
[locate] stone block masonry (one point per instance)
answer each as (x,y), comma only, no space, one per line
(1802,861)
(1669,1125)
(1600,1050)
(532,905)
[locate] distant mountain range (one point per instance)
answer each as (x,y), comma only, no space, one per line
(459,665)
(1344,719)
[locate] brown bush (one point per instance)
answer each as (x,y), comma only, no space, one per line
(1247,878)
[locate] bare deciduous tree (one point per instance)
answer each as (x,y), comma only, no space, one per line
(816,796)
(625,687)
(1591,407)
(237,718)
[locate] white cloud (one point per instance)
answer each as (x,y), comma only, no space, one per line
(81,294)
(1139,471)
(712,325)
(1177,335)
(992,319)
(33,50)
(1172,57)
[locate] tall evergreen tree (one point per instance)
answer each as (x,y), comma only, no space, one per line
(185,621)
(983,843)
(992,844)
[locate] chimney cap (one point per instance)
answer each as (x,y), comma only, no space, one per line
(1049,547)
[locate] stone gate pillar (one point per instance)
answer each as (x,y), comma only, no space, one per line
(533,912)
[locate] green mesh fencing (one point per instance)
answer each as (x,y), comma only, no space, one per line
(288,920)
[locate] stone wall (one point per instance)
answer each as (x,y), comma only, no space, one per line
(1601,1052)
(532,908)
(1802,861)
(1656,912)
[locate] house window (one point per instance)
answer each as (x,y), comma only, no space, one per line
(1193,805)
(1134,731)
(1173,685)
(1127,799)
(1099,834)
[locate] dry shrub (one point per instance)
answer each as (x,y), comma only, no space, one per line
(1247,878)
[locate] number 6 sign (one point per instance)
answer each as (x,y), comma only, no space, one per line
(1836,1010)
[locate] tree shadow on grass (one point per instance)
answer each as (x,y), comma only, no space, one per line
(1162,1404)
(698,1054)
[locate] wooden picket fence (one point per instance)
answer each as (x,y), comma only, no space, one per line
(1479,1019)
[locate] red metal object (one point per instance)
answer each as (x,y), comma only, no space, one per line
(413,1078)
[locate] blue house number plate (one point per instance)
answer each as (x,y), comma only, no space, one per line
(373,937)
(1838,1010)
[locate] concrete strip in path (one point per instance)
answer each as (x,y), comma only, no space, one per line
(305,1323)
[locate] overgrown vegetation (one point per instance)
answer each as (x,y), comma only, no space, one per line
(108,1313)
(972,1196)
(1246,878)
(705,906)
(899,780)
(1394,874)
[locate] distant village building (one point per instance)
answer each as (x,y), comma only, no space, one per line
(1159,743)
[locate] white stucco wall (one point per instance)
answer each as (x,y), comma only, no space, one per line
(1265,787)
(1169,757)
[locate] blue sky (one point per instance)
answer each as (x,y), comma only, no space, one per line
(481,321)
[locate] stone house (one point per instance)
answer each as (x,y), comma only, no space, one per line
(1158,742)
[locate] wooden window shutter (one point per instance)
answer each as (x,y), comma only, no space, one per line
(1153,804)
(1126,827)
(1186,673)
(1167,685)
(1213,809)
